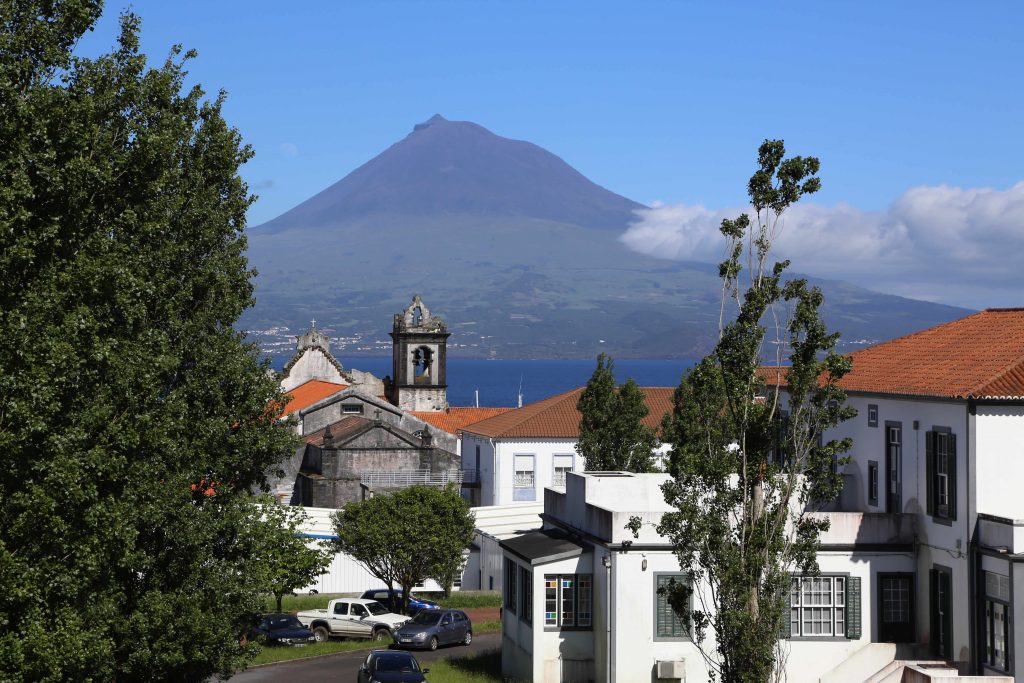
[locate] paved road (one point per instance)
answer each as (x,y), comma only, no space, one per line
(345,666)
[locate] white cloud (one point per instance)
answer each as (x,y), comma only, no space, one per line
(947,244)
(289,150)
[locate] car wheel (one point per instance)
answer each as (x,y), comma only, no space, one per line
(321,634)
(433,643)
(381,634)
(468,639)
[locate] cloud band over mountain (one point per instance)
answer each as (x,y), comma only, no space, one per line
(949,244)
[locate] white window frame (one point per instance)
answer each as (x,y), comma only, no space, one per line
(556,481)
(809,597)
(524,478)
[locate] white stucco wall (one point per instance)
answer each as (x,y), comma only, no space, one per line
(999,438)
(313,364)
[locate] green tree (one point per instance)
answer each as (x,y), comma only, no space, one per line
(133,419)
(291,560)
(406,537)
(613,436)
(742,474)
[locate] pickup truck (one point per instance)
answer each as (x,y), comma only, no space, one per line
(352,618)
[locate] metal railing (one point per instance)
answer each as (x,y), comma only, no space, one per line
(425,476)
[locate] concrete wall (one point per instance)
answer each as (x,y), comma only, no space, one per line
(312,364)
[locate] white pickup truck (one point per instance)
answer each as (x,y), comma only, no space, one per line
(352,618)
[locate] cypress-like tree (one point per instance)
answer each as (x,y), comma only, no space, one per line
(134,420)
(612,434)
(742,476)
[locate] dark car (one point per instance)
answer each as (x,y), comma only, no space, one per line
(281,629)
(391,666)
(393,600)
(430,628)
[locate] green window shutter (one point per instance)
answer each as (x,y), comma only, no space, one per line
(787,609)
(952,476)
(668,623)
(853,629)
(929,459)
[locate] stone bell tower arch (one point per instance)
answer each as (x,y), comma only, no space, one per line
(419,353)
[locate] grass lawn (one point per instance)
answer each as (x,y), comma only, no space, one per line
(280,653)
(484,667)
(468,599)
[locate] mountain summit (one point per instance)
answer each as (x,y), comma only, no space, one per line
(457,167)
(517,250)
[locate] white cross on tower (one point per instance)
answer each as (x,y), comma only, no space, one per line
(313,323)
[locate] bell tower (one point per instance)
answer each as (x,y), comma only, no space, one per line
(419,343)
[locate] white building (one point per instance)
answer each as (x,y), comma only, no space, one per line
(923,560)
(519,453)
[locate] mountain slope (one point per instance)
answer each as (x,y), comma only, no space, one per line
(518,251)
(444,166)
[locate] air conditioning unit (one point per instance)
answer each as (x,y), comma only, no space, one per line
(672,670)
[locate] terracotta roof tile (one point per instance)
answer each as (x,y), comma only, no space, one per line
(454,420)
(980,356)
(342,429)
(308,393)
(558,418)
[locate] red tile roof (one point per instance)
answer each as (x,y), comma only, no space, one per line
(558,418)
(454,420)
(310,392)
(980,356)
(341,430)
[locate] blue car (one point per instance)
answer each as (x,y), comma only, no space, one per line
(387,666)
(393,600)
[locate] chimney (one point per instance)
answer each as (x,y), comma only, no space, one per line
(328,437)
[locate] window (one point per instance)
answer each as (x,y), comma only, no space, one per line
(562,464)
(872,482)
(893,467)
(523,481)
(359,611)
(940,454)
(341,608)
(997,615)
(817,607)
(568,600)
(941,637)
(526,591)
(352,408)
(780,455)
(872,415)
(511,578)
(667,625)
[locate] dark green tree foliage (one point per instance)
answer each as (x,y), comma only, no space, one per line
(612,434)
(742,476)
(133,419)
(406,537)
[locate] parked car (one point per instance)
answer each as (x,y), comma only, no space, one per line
(391,666)
(430,628)
(352,618)
(281,629)
(393,600)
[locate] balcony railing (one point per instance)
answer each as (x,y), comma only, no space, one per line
(425,476)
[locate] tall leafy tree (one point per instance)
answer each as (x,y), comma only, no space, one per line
(613,436)
(404,538)
(133,418)
(742,475)
(291,559)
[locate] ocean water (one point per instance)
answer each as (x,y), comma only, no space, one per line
(498,381)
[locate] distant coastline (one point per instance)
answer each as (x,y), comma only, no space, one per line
(498,380)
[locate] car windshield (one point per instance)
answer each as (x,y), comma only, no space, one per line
(397,663)
(283,622)
(426,617)
(376,608)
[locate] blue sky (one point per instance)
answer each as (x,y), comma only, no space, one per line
(659,101)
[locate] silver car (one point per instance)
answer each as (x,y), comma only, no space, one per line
(433,627)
